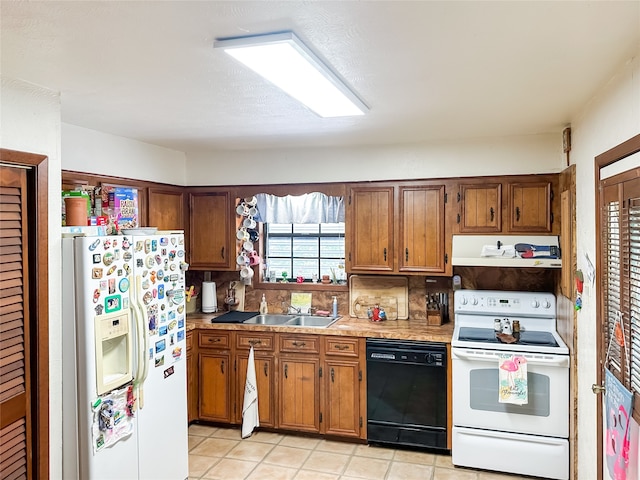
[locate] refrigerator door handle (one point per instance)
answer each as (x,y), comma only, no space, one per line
(142,367)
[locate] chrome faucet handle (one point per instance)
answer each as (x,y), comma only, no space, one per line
(312,310)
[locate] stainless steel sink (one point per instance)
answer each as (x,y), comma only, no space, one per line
(311,321)
(291,320)
(269,319)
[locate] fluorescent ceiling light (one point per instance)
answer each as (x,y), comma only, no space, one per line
(286,62)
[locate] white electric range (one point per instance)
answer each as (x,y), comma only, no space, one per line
(529,438)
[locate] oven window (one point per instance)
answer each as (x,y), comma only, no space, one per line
(484,393)
(407,394)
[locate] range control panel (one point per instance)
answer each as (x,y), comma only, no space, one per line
(490,302)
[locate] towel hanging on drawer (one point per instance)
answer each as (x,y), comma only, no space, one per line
(250,419)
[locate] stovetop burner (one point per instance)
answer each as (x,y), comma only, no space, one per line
(488,335)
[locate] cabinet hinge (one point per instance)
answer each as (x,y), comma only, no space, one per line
(235,365)
(446,258)
(458,196)
(458,218)
(551,192)
(349,199)
(360,375)
(551,217)
(446,195)
(360,422)
(320,417)
(320,372)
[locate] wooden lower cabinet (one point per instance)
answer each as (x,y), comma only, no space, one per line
(192,380)
(344,392)
(299,382)
(215,370)
(265,365)
(306,383)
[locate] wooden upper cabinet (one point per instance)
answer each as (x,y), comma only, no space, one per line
(210,231)
(166,209)
(422,229)
(529,207)
(480,208)
(370,226)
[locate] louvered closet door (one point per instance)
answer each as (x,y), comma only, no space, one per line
(14,334)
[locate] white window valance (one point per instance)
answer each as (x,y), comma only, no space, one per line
(313,207)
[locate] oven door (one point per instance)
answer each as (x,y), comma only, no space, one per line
(475,377)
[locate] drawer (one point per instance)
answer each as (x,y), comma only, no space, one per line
(260,341)
(341,346)
(299,344)
(214,340)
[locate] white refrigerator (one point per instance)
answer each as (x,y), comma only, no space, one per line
(124,357)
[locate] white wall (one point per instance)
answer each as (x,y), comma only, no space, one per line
(494,156)
(86,150)
(612,117)
(30,122)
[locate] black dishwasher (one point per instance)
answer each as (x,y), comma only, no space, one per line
(407,393)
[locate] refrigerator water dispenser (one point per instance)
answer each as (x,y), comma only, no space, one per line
(114,355)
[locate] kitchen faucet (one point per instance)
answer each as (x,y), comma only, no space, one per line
(288,309)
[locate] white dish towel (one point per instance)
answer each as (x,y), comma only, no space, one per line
(250,418)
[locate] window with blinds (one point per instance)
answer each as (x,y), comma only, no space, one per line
(621,280)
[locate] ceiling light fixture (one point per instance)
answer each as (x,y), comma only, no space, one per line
(289,64)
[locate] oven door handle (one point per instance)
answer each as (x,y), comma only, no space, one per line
(532,359)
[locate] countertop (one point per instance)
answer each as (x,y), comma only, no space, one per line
(346,326)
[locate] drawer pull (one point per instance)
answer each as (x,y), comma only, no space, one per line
(286,371)
(339,346)
(266,370)
(492,212)
(298,344)
(253,343)
(332,376)
(222,367)
(517,214)
(214,340)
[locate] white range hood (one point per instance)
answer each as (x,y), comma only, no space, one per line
(467,250)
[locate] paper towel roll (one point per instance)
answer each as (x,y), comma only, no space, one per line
(209,299)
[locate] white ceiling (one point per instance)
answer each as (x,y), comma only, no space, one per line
(429,70)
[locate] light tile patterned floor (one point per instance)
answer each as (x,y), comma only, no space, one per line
(220,454)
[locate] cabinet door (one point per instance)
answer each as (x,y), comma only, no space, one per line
(342,379)
(210,231)
(422,229)
(265,382)
(480,208)
(530,207)
(299,393)
(192,380)
(370,227)
(215,386)
(166,209)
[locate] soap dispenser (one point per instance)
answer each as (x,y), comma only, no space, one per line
(264,309)
(335,307)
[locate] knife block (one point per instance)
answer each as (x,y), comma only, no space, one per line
(434,318)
